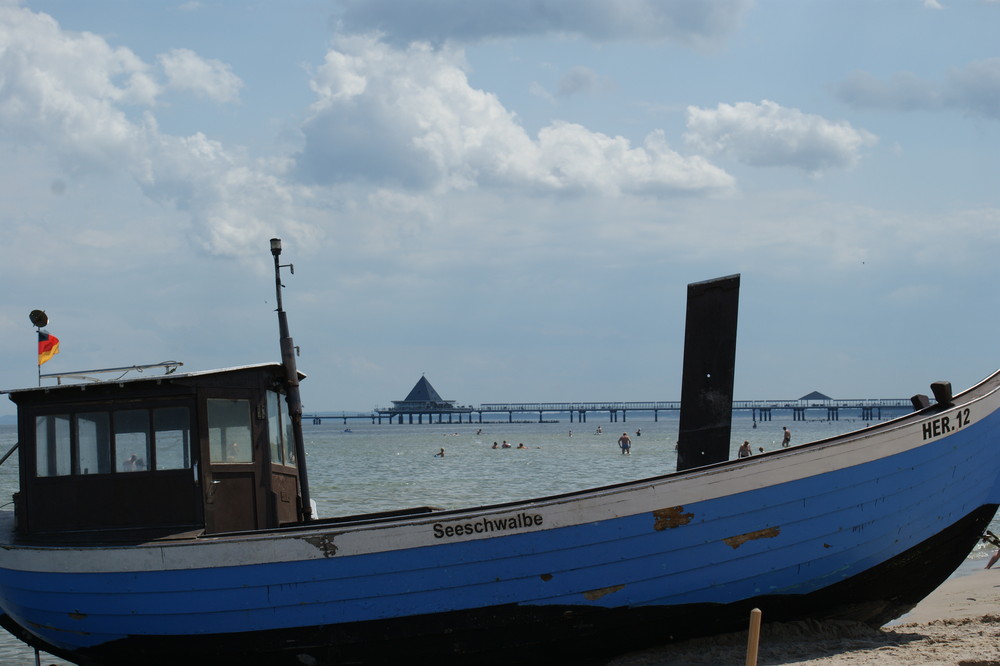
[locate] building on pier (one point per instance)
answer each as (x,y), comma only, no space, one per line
(424,400)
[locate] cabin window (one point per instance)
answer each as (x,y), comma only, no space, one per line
(279,431)
(113,441)
(52,445)
(132,440)
(93,436)
(172,437)
(229,433)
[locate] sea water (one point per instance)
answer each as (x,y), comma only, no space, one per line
(360,467)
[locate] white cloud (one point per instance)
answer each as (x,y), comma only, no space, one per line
(71,79)
(408,117)
(577,158)
(186,70)
(69,94)
(698,23)
(232,203)
(72,84)
(768,134)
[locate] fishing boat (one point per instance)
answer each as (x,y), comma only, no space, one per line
(167,519)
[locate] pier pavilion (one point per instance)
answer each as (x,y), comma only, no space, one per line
(423,401)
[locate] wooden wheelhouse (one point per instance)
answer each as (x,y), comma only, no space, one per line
(206,452)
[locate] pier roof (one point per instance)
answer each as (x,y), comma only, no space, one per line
(422,391)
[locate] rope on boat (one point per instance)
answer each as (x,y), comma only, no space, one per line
(7,455)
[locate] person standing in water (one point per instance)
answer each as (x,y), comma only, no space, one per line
(626,444)
(786,439)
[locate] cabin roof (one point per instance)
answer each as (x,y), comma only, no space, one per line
(143,378)
(815,395)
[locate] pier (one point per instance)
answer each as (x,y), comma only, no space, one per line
(761,410)
(424,405)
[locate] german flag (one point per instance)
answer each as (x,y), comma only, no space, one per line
(48,346)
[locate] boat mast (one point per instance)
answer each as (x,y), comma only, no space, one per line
(291,383)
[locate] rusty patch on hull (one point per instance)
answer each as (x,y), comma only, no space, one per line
(671,518)
(594,595)
(324,543)
(735,542)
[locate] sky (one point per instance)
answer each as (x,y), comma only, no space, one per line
(509,198)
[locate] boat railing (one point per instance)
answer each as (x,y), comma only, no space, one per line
(85,375)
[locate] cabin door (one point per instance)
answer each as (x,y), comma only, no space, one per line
(285,500)
(232,485)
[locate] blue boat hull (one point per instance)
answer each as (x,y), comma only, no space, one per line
(577,634)
(857,527)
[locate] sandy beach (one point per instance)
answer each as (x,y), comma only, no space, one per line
(957,625)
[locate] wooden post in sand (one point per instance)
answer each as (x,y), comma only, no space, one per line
(753,640)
